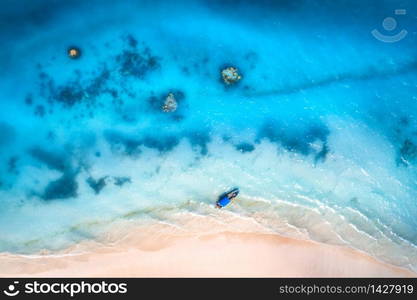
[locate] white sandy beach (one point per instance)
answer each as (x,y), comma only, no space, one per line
(225,254)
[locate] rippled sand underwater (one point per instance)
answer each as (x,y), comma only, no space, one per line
(320,133)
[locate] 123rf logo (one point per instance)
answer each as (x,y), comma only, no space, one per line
(70,289)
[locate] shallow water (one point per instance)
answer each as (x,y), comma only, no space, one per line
(320,134)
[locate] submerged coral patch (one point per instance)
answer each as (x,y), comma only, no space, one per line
(12,164)
(408,152)
(51,159)
(322,153)
(69,94)
(40,110)
(162,144)
(131,145)
(89,87)
(122,144)
(303,142)
(63,188)
(75,91)
(138,64)
(97,184)
(245,147)
(29,99)
(199,139)
(120,181)
(132,41)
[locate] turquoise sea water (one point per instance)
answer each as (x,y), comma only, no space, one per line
(320,134)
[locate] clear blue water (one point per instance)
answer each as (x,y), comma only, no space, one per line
(320,134)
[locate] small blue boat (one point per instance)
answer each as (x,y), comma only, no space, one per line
(227,197)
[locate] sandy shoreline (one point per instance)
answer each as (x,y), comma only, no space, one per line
(226,254)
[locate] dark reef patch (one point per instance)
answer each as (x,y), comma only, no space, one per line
(162,144)
(120,181)
(132,41)
(155,103)
(301,141)
(12,164)
(63,188)
(354,201)
(408,152)
(92,88)
(130,146)
(322,154)
(137,63)
(73,91)
(40,111)
(186,70)
(53,160)
(97,85)
(97,185)
(245,147)
(68,94)
(29,99)
(403,139)
(120,143)
(200,139)
(404,121)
